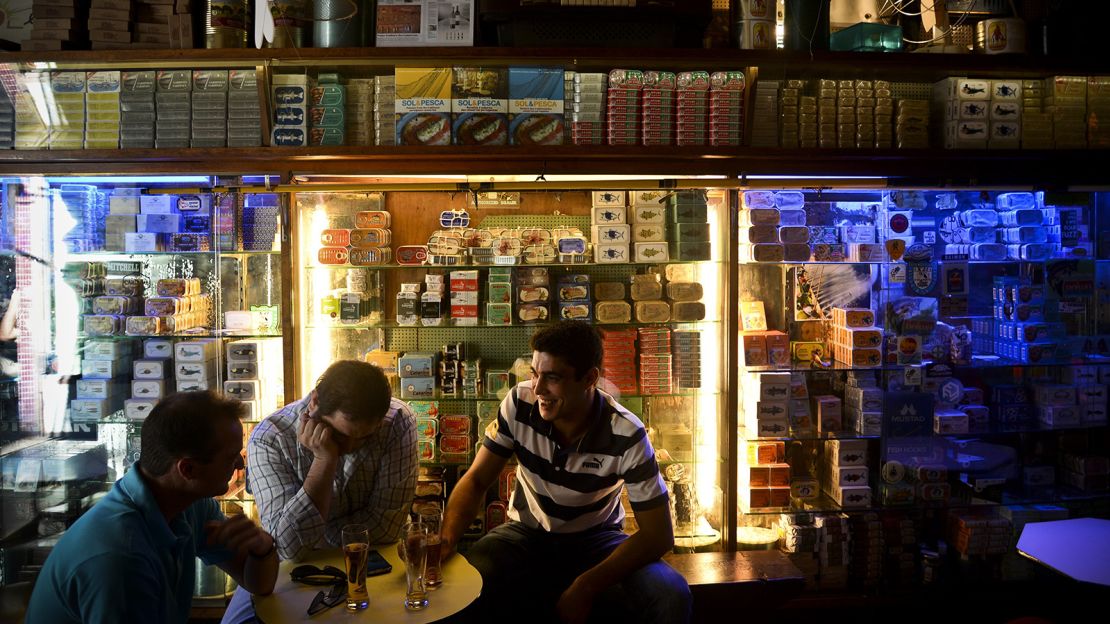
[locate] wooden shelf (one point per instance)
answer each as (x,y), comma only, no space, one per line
(773,63)
(931,168)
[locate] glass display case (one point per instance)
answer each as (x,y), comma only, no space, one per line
(443,290)
(128,289)
(923,373)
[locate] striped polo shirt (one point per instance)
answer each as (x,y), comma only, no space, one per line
(566,490)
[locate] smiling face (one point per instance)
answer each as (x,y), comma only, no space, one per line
(563,399)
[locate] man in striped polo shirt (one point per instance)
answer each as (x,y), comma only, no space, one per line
(563,556)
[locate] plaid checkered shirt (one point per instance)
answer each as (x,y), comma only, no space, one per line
(373,486)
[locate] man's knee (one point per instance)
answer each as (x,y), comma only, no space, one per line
(658,594)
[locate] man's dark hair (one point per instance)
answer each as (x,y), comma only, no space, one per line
(184,425)
(359,389)
(574,342)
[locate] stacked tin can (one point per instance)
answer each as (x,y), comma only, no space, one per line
(726,108)
(655,360)
(173,100)
(136,103)
(1036,131)
(911,124)
(687,359)
(209,108)
(31,131)
(327,112)
(765,114)
(291,101)
(657,108)
(586,106)
(1066,99)
(244,110)
(68,89)
(622,105)
(360,111)
(102,114)
(692,108)
(385,122)
(7,121)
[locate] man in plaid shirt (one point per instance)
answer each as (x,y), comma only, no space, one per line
(344,454)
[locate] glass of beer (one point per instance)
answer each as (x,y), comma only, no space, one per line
(414,539)
(356,549)
(433,518)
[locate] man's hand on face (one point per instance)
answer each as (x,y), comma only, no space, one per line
(316,436)
(239,535)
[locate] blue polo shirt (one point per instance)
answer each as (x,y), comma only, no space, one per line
(121,561)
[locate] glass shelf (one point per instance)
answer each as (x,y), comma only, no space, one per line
(523,265)
(849,435)
(107,255)
(832,435)
(118,418)
(204,334)
(484,326)
(825,504)
(692,393)
(977,362)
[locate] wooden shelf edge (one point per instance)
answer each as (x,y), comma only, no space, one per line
(929,168)
(772,62)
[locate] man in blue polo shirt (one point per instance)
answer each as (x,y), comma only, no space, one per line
(131,558)
(562,555)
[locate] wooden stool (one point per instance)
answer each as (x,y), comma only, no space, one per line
(759,581)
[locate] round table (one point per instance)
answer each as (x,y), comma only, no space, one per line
(290,601)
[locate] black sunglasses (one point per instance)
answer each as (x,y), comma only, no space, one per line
(312,575)
(323,602)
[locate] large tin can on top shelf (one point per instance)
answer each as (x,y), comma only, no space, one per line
(225,23)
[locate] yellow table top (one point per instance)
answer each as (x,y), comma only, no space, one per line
(290,601)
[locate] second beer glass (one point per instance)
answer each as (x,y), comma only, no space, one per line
(414,536)
(433,578)
(356,549)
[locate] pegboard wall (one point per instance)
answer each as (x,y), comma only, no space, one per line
(911,90)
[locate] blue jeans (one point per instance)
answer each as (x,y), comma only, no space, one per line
(525,570)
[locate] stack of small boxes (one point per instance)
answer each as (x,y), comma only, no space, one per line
(1010,407)
(765,114)
(151,383)
(692,108)
(856,340)
(464,297)
(827,412)
(1085,471)
(385,97)
(110,24)
(770,233)
(964,105)
(827,103)
(69,110)
(844,472)
(32,131)
(623,108)
(155,27)
(900,544)
(865,567)
(688,230)
(765,480)
(7,119)
(574,297)
(360,111)
(328,112)
(884,114)
(649,227)
(196,365)
(1066,100)
(157,354)
(102,110)
(244,109)
(252,375)
(657,108)
(585,102)
(656,370)
(1091,392)
(976,533)
(100,390)
(209,108)
(137,112)
(799,541)
(499,296)
(865,103)
(1098,110)
(863,403)
(1005,114)
(1036,130)
(726,108)
(427,429)
(766,404)
(173,100)
(455,440)
(834,551)
(58,24)
(619,359)
(647,295)
(1057,404)
(687,359)
(609,228)
(291,101)
(911,124)
(417,373)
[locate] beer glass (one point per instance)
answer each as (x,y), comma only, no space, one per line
(432,575)
(356,548)
(414,537)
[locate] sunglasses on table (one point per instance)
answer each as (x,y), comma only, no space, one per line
(329,576)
